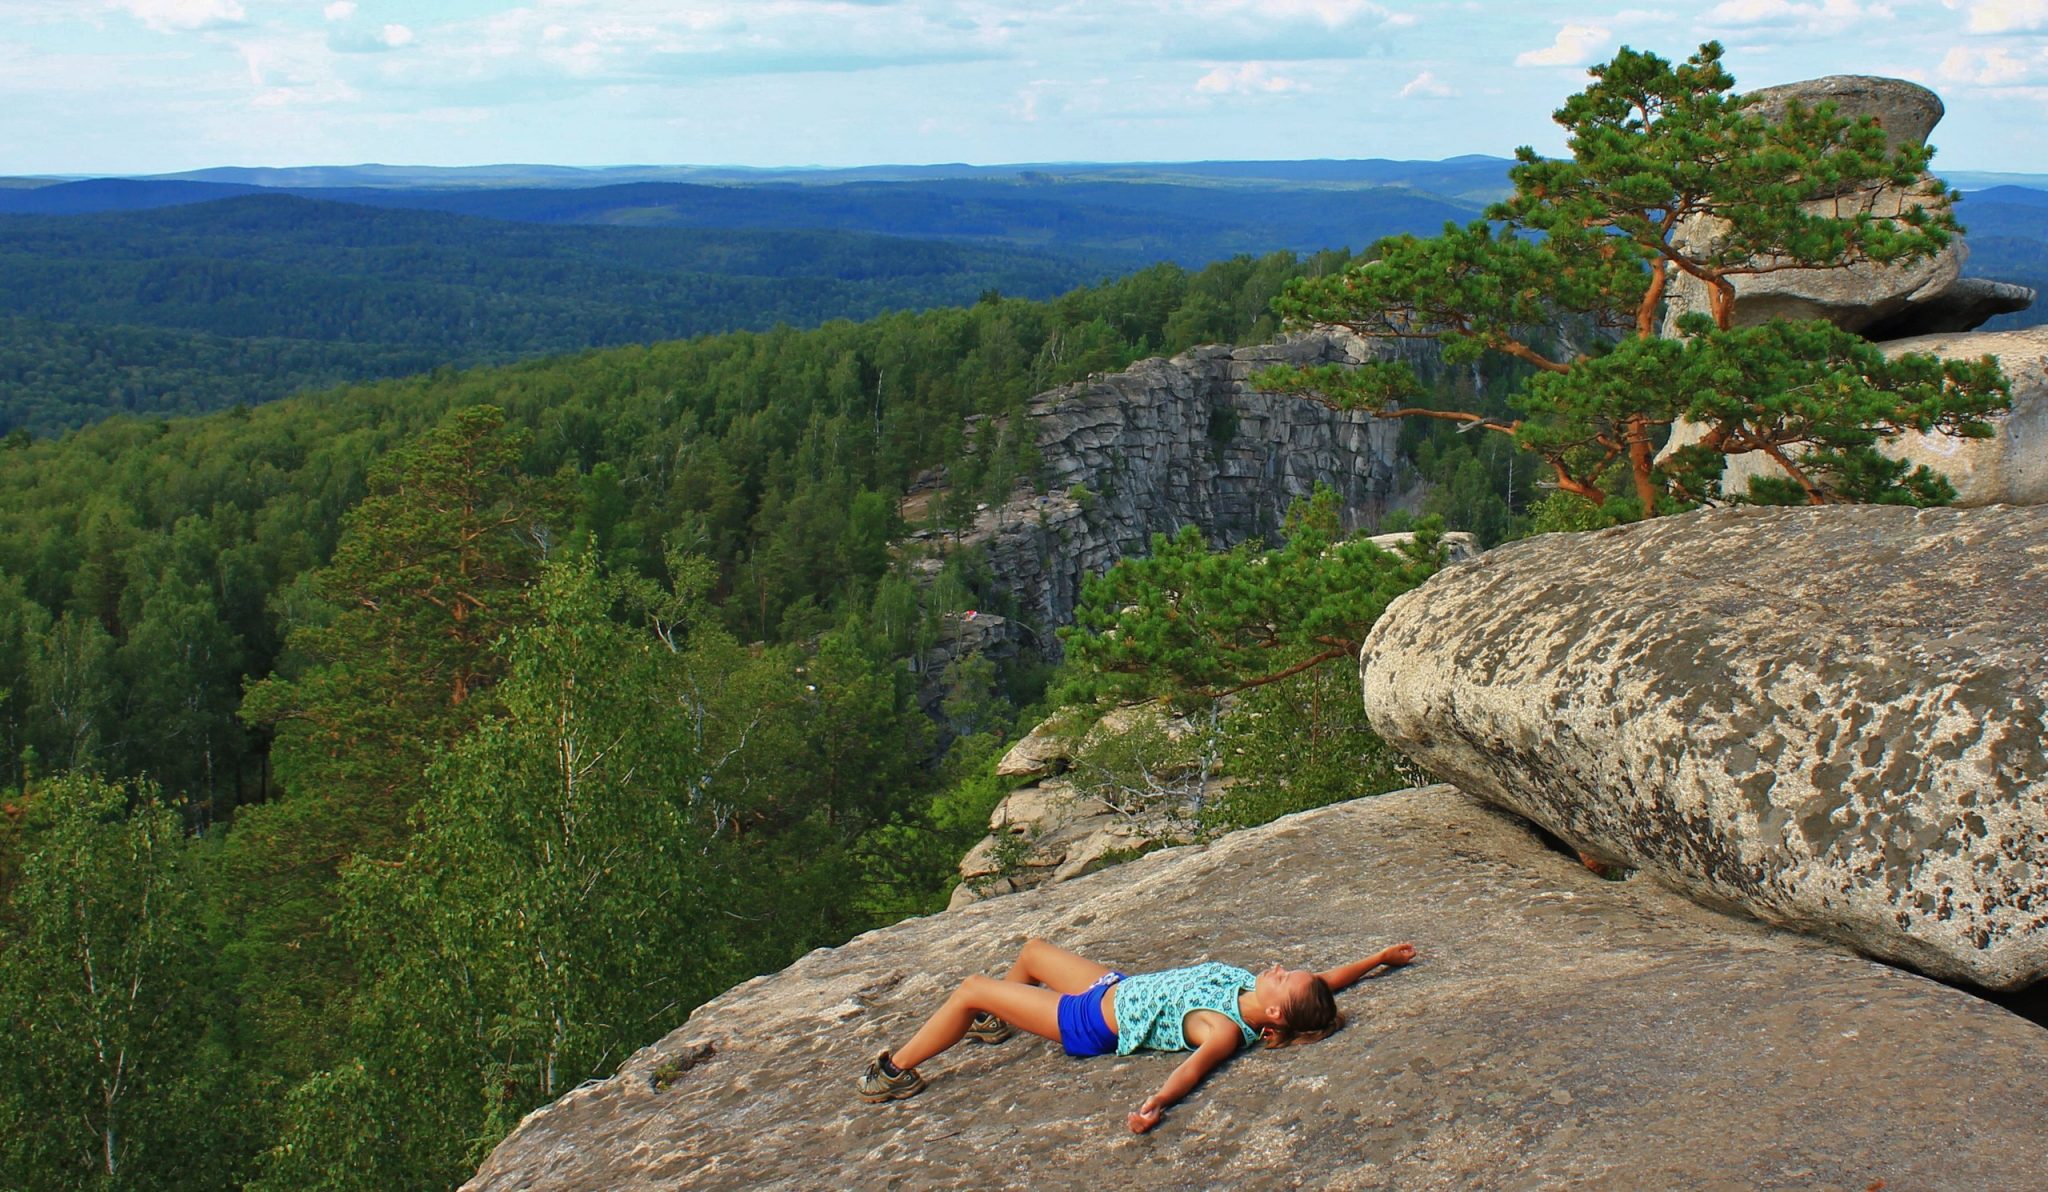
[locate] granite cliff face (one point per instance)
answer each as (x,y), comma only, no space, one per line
(1171,443)
(1557,1031)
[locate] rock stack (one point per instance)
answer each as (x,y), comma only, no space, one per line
(1923,306)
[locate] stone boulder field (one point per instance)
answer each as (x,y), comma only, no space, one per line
(1834,719)
(1557,1030)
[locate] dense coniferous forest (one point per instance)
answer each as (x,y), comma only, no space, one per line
(183,296)
(392,724)
(190,309)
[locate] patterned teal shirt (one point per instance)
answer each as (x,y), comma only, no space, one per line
(1151,1007)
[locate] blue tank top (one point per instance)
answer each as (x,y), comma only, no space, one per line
(1151,1007)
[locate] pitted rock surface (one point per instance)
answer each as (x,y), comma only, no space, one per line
(1829,718)
(1557,1031)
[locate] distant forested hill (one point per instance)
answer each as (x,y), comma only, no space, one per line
(180,295)
(194,308)
(145,301)
(1142,220)
(2008,239)
(1137,214)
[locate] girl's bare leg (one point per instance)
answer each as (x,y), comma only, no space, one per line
(1028,1006)
(1054,968)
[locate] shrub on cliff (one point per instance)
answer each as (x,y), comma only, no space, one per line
(1243,635)
(1592,243)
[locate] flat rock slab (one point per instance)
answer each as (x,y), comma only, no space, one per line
(1558,1031)
(1830,718)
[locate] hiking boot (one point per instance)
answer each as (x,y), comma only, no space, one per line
(987,1028)
(876,1085)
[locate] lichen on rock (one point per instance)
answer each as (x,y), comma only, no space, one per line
(1829,718)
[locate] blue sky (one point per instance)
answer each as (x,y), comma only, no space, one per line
(137,86)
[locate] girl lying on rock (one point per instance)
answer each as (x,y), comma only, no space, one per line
(1209,1009)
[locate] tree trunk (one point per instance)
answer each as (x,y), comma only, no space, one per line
(1642,463)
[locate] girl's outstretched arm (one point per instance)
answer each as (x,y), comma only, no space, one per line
(1218,1045)
(1346,975)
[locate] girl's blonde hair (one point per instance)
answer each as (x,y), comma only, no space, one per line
(1314,1016)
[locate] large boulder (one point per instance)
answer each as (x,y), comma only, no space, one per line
(1854,297)
(1906,111)
(1864,296)
(1557,1031)
(2010,468)
(1829,718)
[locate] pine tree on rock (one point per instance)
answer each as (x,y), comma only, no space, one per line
(1569,276)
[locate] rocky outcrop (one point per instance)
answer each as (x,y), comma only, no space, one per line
(2010,468)
(1965,305)
(1829,718)
(1557,1031)
(1909,298)
(1044,751)
(1853,297)
(1917,306)
(1052,831)
(1171,443)
(1906,111)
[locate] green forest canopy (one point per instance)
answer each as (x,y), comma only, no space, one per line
(253,620)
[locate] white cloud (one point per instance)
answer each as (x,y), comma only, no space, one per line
(2008,16)
(1996,67)
(1425,86)
(395,36)
(172,16)
(1331,14)
(292,70)
(1246,78)
(340,10)
(1820,16)
(1576,45)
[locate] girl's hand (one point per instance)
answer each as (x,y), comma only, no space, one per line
(1398,954)
(1144,1117)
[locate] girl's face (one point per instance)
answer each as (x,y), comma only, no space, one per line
(1280,987)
